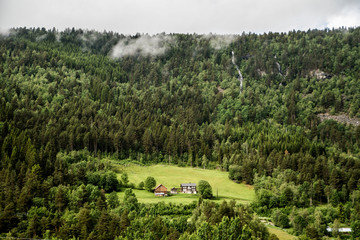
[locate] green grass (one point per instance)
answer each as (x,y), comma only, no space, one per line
(281,234)
(172,176)
(148,197)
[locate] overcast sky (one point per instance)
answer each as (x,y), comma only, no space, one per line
(185,16)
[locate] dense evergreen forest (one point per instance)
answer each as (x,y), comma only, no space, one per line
(70,99)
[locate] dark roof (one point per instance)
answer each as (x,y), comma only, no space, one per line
(188,185)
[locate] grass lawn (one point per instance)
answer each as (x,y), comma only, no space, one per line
(144,196)
(281,234)
(173,176)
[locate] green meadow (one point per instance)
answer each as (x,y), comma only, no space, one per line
(280,233)
(173,176)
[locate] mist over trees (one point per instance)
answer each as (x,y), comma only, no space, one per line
(68,102)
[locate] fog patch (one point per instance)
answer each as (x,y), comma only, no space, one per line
(41,38)
(89,37)
(5,32)
(145,45)
(349,16)
(220,41)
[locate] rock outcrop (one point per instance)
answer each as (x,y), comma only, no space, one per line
(342,118)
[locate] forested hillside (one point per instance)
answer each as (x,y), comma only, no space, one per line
(69,99)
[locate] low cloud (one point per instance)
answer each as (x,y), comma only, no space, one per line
(4,32)
(349,16)
(89,37)
(144,45)
(41,38)
(220,41)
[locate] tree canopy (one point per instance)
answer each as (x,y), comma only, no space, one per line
(205,189)
(69,108)
(150,183)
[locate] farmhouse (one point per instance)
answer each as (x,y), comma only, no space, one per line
(188,188)
(160,191)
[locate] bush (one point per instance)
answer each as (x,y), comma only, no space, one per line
(205,189)
(150,182)
(125,179)
(280,219)
(235,173)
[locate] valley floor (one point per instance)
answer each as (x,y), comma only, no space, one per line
(172,176)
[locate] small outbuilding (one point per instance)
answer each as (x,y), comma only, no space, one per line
(161,191)
(188,188)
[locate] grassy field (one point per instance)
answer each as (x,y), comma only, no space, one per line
(282,235)
(148,197)
(172,176)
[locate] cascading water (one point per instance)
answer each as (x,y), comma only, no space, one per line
(278,67)
(237,68)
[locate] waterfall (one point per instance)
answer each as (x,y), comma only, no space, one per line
(278,67)
(237,68)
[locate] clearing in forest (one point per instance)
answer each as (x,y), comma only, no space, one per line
(281,234)
(173,176)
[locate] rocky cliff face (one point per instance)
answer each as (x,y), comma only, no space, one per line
(320,74)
